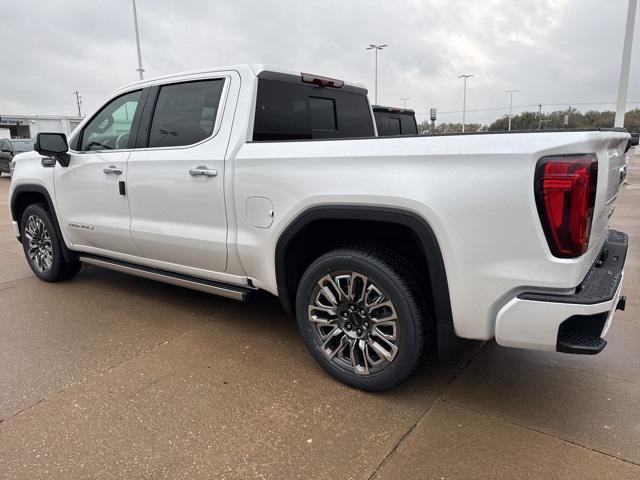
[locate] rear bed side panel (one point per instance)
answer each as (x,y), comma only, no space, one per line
(475,192)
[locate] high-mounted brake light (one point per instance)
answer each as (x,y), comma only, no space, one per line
(322,81)
(565,189)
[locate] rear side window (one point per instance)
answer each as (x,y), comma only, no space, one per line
(185,113)
(291,111)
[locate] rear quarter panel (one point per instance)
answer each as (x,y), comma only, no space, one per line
(475,191)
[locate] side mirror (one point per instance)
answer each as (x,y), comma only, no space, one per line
(53,145)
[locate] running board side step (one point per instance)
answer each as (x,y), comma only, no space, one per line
(194,283)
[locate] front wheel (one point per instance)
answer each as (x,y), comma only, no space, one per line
(362,317)
(43,247)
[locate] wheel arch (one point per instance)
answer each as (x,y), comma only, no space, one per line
(28,194)
(288,245)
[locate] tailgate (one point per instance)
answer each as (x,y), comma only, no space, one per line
(611,174)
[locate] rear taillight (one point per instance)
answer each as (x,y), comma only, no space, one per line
(565,190)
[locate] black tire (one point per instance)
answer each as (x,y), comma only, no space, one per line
(398,282)
(57,268)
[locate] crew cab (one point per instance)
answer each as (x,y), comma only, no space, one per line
(249,177)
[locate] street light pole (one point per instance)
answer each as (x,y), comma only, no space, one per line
(623,86)
(376,48)
(464,98)
(510,92)
(540,116)
(140,70)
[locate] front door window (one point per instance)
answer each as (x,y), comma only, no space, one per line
(110,128)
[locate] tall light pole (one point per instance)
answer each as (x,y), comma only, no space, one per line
(404,101)
(623,86)
(376,48)
(140,70)
(511,92)
(540,117)
(464,98)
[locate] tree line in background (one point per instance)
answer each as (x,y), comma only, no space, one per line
(533,121)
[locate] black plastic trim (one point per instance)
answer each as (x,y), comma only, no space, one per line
(135,126)
(68,255)
(580,334)
(601,282)
(144,126)
(381,108)
(424,232)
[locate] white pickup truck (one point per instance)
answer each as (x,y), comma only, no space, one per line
(248,177)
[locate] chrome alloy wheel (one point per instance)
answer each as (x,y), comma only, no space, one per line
(354,323)
(40,250)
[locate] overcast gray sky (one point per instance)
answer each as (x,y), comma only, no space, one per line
(552,51)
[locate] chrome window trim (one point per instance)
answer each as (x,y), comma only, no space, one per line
(216,128)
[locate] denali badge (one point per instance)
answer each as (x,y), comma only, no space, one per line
(81,226)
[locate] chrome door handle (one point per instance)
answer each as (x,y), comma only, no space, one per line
(112,169)
(202,172)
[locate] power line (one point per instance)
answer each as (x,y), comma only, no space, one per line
(78,102)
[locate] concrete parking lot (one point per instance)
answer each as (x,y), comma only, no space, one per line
(110,376)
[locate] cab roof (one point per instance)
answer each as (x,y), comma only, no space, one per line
(255,69)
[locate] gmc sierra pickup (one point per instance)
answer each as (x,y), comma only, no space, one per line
(249,177)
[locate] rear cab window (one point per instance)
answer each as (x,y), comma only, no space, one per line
(289,109)
(395,121)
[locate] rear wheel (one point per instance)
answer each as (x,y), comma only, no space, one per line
(361,315)
(42,246)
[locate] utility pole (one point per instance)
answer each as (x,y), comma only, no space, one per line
(540,116)
(464,98)
(623,86)
(404,101)
(78,102)
(511,92)
(140,70)
(376,48)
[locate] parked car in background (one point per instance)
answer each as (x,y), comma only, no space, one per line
(395,121)
(9,148)
(635,137)
(244,178)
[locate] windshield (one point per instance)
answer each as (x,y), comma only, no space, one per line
(22,145)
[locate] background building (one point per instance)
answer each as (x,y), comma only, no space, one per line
(28,126)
